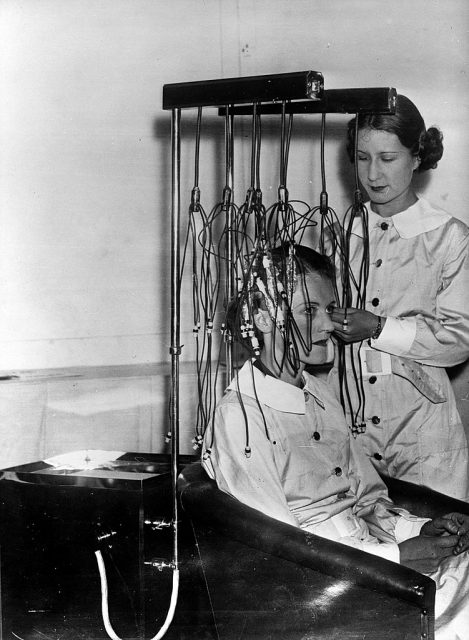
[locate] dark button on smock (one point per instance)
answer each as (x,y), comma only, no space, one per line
(372,379)
(384,226)
(338,471)
(375,302)
(378,262)
(375,420)
(377,456)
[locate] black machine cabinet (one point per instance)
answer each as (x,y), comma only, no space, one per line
(51,524)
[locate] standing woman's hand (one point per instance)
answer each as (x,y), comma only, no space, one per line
(354,325)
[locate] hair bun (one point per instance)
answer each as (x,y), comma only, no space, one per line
(431,148)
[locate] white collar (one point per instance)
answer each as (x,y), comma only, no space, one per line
(273,392)
(417,219)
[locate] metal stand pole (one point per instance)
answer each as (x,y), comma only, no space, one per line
(175,349)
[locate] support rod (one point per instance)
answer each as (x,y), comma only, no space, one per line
(175,348)
(229,156)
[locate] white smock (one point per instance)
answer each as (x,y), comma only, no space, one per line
(419,280)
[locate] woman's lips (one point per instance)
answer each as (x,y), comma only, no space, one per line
(321,343)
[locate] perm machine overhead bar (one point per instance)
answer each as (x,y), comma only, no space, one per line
(302,91)
(299,85)
(366,100)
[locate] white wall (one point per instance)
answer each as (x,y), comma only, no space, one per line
(85,144)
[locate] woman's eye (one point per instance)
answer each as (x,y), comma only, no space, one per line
(310,311)
(362,158)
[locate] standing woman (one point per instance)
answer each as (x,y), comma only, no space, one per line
(415,320)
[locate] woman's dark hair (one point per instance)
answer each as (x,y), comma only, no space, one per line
(408,125)
(307,261)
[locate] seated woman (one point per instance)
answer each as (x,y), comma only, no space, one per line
(279,441)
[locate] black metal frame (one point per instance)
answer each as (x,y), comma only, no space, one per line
(281,86)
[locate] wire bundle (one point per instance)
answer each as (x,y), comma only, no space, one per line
(354,289)
(232,259)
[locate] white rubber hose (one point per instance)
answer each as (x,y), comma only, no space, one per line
(105,608)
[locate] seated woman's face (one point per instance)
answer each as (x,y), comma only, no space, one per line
(312,304)
(385,170)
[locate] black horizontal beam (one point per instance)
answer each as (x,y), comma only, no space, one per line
(300,85)
(367,100)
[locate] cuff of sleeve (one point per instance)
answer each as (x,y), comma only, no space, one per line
(408,527)
(397,335)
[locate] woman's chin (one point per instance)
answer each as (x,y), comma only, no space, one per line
(321,354)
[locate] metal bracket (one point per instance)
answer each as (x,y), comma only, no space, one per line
(364,100)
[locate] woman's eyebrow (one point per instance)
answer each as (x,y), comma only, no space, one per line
(380,151)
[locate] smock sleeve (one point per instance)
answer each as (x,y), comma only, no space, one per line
(440,338)
(385,520)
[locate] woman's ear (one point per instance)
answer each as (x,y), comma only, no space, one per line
(262,320)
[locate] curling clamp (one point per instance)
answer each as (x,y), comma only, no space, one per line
(358,199)
(226,197)
(226,333)
(283,197)
(258,202)
(249,198)
(195,200)
(357,428)
(323,203)
(197,442)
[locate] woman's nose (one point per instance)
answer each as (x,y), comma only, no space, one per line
(373,171)
(328,325)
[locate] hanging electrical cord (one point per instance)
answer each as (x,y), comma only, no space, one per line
(213,257)
(287,219)
(331,236)
(354,288)
(245,247)
(205,284)
(245,228)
